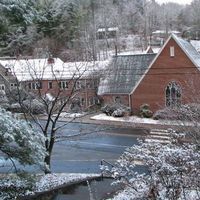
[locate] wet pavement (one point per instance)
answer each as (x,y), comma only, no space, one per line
(83,154)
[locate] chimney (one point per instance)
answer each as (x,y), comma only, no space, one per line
(50,60)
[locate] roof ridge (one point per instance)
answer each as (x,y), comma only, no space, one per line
(140,54)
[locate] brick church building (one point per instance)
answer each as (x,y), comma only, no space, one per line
(167,79)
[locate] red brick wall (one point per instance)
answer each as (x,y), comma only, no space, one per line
(85,92)
(179,68)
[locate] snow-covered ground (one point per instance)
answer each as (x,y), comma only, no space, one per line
(50,181)
(138,120)
(71,115)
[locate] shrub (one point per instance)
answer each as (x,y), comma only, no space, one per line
(116,110)
(34,106)
(118,113)
(145,111)
(186,112)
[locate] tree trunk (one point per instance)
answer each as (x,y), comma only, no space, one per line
(47,160)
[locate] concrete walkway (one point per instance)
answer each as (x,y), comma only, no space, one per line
(128,121)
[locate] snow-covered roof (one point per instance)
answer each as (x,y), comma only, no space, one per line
(31,69)
(123,73)
(139,51)
(109,29)
(188,49)
(196,44)
(164,31)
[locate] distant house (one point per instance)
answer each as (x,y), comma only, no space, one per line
(7,80)
(168,79)
(110,32)
(50,77)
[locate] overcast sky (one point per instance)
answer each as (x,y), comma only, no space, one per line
(176,1)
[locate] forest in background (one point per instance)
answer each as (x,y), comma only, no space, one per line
(68,28)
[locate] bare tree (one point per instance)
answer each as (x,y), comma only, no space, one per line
(52,86)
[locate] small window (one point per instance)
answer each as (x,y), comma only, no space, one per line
(172,52)
(2,87)
(29,86)
(117,99)
(50,85)
(63,85)
(82,101)
(38,85)
(79,85)
(91,101)
(33,86)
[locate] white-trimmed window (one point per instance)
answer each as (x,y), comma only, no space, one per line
(63,85)
(91,101)
(82,101)
(2,87)
(172,51)
(117,99)
(173,94)
(35,85)
(79,84)
(50,85)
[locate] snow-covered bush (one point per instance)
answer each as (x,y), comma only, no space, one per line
(19,142)
(188,112)
(28,106)
(145,111)
(173,170)
(75,106)
(34,106)
(116,110)
(118,113)
(166,113)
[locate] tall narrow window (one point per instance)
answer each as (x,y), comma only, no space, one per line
(173,95)
(50,85)
(63,85)
(172,52)
(2,87)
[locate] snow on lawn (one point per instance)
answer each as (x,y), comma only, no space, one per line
(50,181)
(71,115)
(135,119)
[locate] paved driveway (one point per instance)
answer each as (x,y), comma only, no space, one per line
(84,154)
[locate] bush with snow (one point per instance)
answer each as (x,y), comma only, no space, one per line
(118,113)
(33,106)
(188,112)
(173,170)
(116,110)
(28,106)
(19,142)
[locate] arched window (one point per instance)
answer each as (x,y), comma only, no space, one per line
(173,95)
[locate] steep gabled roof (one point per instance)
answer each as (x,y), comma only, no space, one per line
(189,49)
(123,73)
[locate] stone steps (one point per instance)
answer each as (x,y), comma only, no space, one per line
(158,136)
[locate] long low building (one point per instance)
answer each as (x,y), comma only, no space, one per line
(52,77)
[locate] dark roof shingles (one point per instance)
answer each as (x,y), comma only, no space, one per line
(123,73)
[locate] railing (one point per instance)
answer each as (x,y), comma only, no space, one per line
(107,163)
